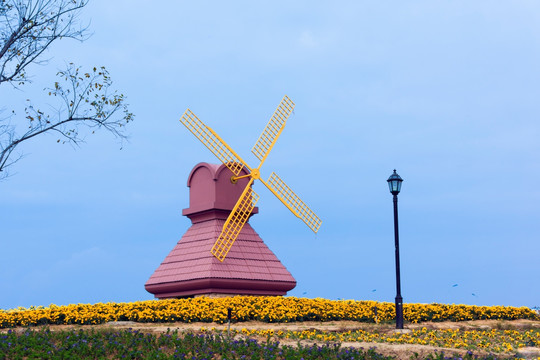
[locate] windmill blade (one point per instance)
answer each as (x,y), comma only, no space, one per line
(273,129)
(213,142)
(292,201)
(235,222)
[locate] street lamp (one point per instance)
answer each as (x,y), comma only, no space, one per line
(394,183)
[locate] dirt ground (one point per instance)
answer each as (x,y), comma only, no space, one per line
(400,351)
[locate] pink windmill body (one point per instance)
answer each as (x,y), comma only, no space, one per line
(190,269)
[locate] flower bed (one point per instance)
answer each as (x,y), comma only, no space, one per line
(493,341)
(245,308)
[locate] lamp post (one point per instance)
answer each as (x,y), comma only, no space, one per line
(394,183)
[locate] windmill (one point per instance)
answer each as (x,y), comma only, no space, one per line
(246,203)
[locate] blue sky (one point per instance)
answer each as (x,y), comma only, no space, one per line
(445,92)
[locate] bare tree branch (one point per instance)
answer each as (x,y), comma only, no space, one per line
(28,28)
(87,101)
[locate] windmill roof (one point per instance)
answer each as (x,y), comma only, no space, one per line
(210,187)
(249,268)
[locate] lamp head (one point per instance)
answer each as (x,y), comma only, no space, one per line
(394,183)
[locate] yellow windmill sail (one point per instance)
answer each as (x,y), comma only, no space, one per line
(235,222)
(273,129)
(292,202)
(213,142)
(245,204)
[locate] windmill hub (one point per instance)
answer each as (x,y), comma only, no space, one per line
(255,174)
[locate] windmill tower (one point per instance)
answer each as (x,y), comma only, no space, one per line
(222,200)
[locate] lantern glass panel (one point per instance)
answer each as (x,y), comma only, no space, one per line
(397,185)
